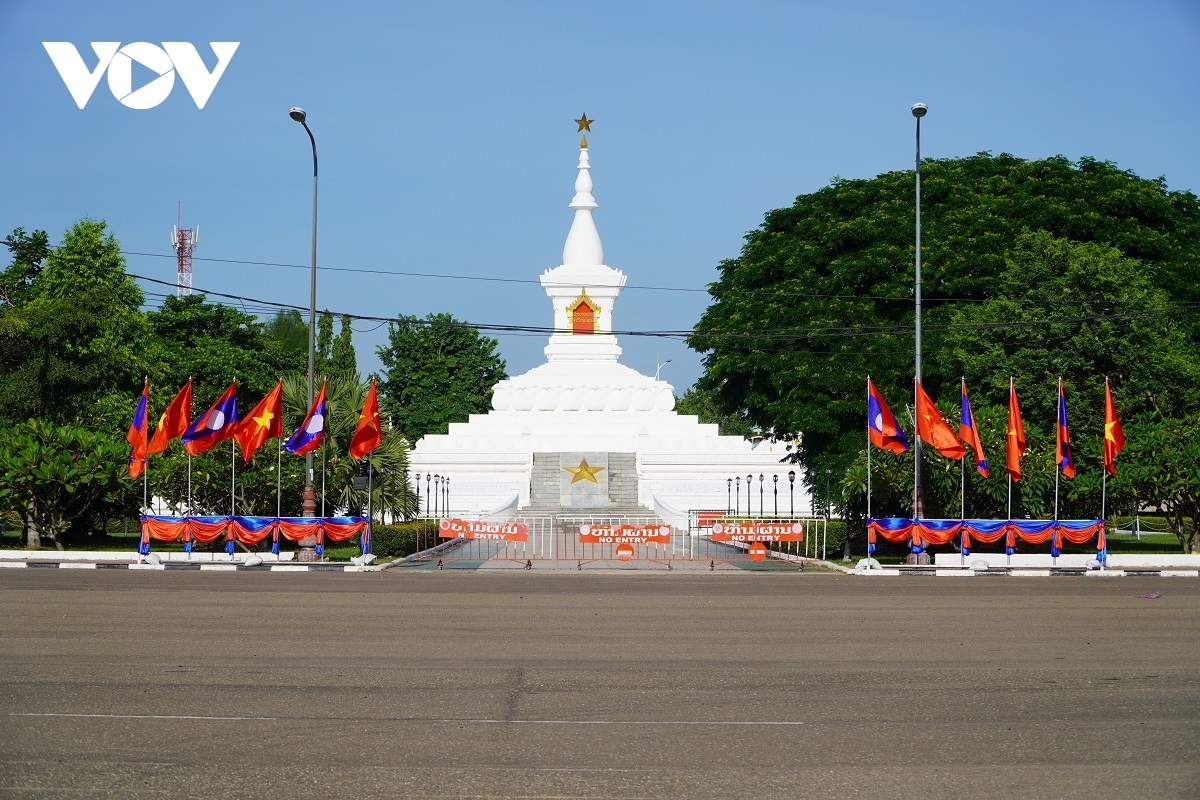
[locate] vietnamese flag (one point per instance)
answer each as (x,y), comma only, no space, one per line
(136,436)
(1062,446)
(367,434)
(933,428)
(264,422)
(1016,434)
(1114,438)
(174,421)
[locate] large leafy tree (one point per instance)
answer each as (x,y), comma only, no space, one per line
(821,295)
(72,343)
(54,477)
(213,344)
(436,371)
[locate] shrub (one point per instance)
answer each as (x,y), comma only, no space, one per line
(397,541)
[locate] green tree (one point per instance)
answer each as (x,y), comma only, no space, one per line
(28,253)
(71,348)
(821,295)
(1158,467)
(704,407)
(437,371)
(342,360)
(213,344)
(324,343)
(289,329)
(54,476)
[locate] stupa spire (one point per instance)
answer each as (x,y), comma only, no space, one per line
(583,246)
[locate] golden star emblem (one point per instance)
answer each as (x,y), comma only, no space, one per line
(584,124)
(265,420)
(584,472)
(369,419)
(1108,431)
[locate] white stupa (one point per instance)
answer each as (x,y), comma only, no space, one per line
(583,405)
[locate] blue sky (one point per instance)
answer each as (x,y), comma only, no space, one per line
(447,147)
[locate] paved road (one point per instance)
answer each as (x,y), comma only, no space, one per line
(514,684)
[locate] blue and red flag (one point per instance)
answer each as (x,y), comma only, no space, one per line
(213,426)
(970,434)
(1062,448)
(882,429)
(137,434)
(311,433)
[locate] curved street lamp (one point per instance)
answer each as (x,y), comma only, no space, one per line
(309,502)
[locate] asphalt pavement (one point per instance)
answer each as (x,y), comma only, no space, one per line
(498,684)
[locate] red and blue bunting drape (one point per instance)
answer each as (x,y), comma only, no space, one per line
(923,532)
(250,531)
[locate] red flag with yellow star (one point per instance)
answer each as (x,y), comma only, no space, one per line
(367,434)
(1114,437)
(933,428)
(264,422)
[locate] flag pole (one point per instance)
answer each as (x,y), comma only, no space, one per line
(189,503)
(323,477)
(370,498)
(232,478)
(868,455)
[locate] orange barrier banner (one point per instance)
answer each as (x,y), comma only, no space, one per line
(758,532)
(480,529)
(625,534)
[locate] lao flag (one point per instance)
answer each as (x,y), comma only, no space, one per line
(311,433)
(1062,448)
(882,429)
(213,426)
(137,434)
(970,434)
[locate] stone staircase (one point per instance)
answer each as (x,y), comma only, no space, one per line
(622,488)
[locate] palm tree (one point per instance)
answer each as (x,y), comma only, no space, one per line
(344,397)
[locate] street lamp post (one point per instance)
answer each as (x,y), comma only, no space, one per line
(737,508)
(792,493)
(428,480)
(308,504)
(728,495)
(918,110)
(775,487)
(749,484)
(760,494)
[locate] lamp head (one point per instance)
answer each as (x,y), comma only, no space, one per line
(297,113)
(918,110)
(792,475)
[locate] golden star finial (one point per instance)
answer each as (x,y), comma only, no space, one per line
(584,124)
(584,472)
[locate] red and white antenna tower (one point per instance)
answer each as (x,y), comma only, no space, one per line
(184,241)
